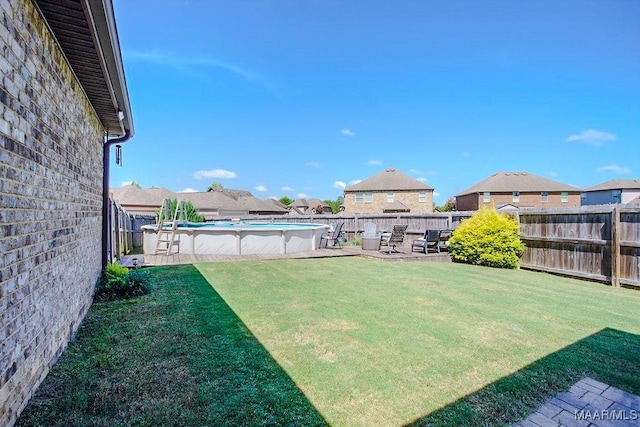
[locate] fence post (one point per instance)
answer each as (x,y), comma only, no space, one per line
(615,246)
(116,231)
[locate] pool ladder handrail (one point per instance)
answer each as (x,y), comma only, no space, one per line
(166,236)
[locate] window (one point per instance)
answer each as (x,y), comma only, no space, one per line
(364,197)
(422,196)
(516,196)
(487,197)
(564,196)
(390,197)
(617,196)
(545,196)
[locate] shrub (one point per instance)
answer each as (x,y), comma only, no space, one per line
(118,282)
(487,238)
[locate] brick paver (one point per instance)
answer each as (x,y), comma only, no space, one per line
(588,403)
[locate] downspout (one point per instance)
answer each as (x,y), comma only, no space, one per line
(106,224)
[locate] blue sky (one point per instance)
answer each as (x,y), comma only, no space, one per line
(300,98)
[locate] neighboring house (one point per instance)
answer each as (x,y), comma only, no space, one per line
(612,192)
(63,104)
(211,204)
(304,206)
(386,192)
(518,189)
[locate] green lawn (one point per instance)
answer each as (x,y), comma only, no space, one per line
(346,341)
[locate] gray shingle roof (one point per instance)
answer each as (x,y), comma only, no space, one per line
(505,182)
(134,195)
(220,199)
(616,184)
(388,180)
(395,206)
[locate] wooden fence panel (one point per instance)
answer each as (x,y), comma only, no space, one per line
(594,242)
(630,246)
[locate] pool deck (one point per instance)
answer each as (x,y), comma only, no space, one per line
(403,255)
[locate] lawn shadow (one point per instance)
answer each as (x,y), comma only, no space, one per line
(178,356)
(246,385)
(610,355)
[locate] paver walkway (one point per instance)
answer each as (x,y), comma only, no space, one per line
(588,403)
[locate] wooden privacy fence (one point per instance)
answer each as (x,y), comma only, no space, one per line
(126,232)
(593,242)
(354,224)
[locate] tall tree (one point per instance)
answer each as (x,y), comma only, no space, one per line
(285,200)
(193,215)
(215,186)
(335,204)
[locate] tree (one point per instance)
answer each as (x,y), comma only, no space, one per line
(193,215)
(449,205)
(335,204)
(215,186)
(285,200)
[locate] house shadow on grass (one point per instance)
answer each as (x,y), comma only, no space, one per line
(176,357)
(611,356)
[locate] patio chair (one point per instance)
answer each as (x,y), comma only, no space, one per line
(428,241)
(332,236)
(395,238)
(436,240)
(443,240)
(370,231)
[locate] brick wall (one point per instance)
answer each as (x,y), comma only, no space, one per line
(472,202)
(379,201)
(50,204)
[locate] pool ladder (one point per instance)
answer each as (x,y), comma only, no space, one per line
(166,236)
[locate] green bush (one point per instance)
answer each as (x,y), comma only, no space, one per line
(119,282)
(487,238)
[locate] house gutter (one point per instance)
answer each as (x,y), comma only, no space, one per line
(107,255)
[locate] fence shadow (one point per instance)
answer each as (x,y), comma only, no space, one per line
(610,355)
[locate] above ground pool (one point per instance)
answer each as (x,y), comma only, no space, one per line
(238,238)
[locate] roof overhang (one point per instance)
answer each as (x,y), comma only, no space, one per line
(87,35)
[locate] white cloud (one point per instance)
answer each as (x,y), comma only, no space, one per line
(339,184)
(421,179)
(285,188)
(214,173)
(592,137)
(125,183)
(355,181)
(466,154)
(620,170)
(347,132)
(188,190)
(303,196)
(181,62)
(261,188)
(375,162)
(553,174)
(314,165)
(436,194)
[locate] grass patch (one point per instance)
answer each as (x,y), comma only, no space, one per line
(344,341)
(431,343)
(176,357)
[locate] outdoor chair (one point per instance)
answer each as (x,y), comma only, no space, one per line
(370,230)
(332,236)
(396,237)
(428,241)
(436,240)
